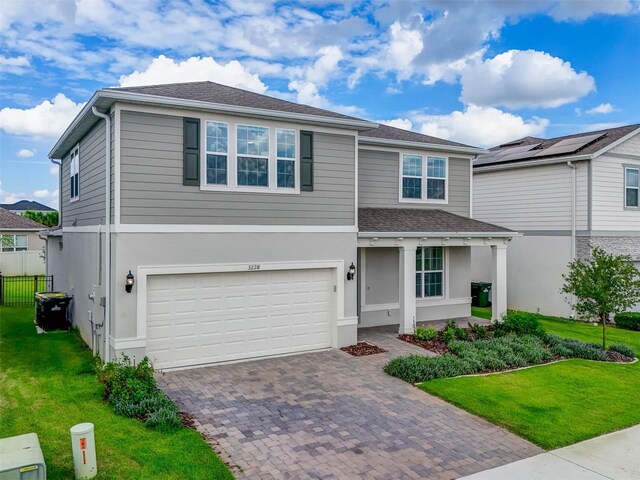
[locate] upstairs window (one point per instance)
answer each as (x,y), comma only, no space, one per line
(286,158)
(419,172)
(74,174)
(253,156)
(631,187)
(429,272)
(217,152)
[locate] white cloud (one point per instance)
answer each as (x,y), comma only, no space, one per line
(48,119)
(26,153)
(403,123)
(483,126)
(43,196)
(517,79)
(41,193)
(166,70)
(578,11)
(602,108)
(15,65)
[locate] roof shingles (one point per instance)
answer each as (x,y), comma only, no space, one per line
(406,220)
(11,221)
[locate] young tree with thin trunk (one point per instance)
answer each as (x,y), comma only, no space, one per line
(603,285)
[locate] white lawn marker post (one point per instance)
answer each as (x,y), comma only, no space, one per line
(83,445)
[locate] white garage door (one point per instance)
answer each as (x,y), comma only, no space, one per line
(196,319)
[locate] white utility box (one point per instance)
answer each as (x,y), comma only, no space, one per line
(21,458)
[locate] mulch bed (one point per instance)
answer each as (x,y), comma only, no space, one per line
(437,345)
(618,357)
(362,349)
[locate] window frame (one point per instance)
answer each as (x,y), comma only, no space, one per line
(232,157)
(74,169)
(445,268)
(14,247)
(208,152)
(295,159)
(425,177)
(625,187)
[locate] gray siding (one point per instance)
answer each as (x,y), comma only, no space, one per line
(89,208)
(378,183)
(152,191)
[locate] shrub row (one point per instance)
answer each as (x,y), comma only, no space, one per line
(132,392)
(628,320)
(623,349)
(572,348)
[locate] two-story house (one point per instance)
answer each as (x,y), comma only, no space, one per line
(242,226)
(566,195)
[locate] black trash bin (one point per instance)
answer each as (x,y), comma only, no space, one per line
(51,310)
(480,294)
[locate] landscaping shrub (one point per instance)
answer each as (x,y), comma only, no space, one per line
(479,332)
(519,323)
(426,333)
(572,348)
(418,368)
(628,320)
(449,335)
(132,392)
(623,349)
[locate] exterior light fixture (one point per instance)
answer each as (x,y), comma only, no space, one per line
(352,272)
(129,282)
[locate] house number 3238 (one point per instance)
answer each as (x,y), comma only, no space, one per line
(254,267)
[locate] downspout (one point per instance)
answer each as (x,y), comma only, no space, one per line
(107,232)
(572,166)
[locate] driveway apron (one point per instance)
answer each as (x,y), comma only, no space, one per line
(328,415)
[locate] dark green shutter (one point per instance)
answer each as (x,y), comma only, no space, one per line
(306,161)
(191,144)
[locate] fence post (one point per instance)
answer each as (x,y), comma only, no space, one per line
(35,284)
(1,289)
(51,283)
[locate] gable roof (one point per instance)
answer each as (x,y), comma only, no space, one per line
(214,97)
(528,149)
(421,221)
(24,205)
(11,221)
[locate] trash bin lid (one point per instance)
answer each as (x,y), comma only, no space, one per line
(48,295)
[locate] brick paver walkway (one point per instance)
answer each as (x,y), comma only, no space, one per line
(329,415)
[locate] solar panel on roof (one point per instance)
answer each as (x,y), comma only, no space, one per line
(569,145)
(505,154)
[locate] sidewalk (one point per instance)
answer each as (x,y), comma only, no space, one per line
(612,456)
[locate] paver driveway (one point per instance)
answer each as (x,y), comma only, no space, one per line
(330,415)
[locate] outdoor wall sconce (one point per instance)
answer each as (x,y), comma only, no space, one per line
(129,283)
(352,272)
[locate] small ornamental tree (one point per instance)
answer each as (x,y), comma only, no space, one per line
(602,285)
(49,219)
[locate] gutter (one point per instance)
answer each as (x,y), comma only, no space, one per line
(363,140)
(107,230)
(548,161)
(439,234)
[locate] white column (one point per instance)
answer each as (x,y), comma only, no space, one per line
(499,281)
(407,289)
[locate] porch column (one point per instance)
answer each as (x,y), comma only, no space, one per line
(407,289)
(499,281)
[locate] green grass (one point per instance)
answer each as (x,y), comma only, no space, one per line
(20,290)
(481,312)
(47,385)
(558,404)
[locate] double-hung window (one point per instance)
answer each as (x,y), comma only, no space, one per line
(252,147)
(429,272)
(631,187)
(420,171)
(74,174)
(286,158)
(14,243)
(217,153)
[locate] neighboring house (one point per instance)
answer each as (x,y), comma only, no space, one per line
(566,195)
(23,205)
(21,247)
(240,216)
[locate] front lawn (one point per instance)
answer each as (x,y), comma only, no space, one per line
(558,404)
(47,385)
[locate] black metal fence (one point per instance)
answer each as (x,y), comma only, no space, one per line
(16,291)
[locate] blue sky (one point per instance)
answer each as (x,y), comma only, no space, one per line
(478,72)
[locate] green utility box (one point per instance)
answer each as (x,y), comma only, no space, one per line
(51,310)
(480,294)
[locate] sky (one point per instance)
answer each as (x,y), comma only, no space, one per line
(477,72)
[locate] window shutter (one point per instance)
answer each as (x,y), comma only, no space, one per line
(191,144)
(306,161)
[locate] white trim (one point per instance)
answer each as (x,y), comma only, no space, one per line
(439,301)
(424,159)
(117,120)
(364,140)
(533,163)
(143,272)
(438,235)
(378,307)
(363,276)
(122,343)
(84,229)
(74,169)
(626,187)
(356,177)
(176,228)
(471,188)
(347,321)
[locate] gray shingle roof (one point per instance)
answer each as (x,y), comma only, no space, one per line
(11,221)
(392,133)
(420,220)
(216,93)
(610,135)
(24,205)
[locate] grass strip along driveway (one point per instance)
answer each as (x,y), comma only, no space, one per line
(557,404)
(47,385)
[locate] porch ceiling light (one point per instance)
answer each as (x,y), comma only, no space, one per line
(128,286)
(351,273)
